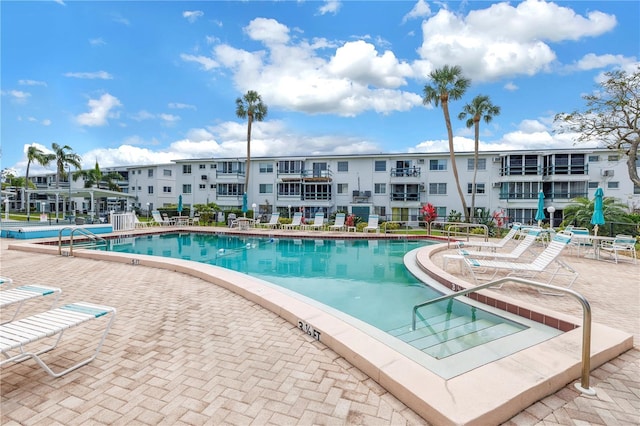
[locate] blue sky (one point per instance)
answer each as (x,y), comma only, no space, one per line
(132,83)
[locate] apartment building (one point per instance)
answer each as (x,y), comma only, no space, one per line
(395,186)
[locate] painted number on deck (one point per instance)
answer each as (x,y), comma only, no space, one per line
(307,328)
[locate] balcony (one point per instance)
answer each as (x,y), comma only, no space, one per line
(405,196)
(406,172)
(361,196)
(305,175)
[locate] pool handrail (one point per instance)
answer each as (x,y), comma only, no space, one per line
(96,239)
(583,386)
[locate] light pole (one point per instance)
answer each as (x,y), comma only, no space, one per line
(147,212)
(253,207)
(551,211)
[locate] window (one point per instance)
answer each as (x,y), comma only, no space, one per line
(380,166)
(343,188)
(150,173)
(636,189)
(202,186)
(212,186)
(479,188)
(230,189)
(186,188)
(438,188)
(343,166)
(289,188)
(593,185)
(213,166)
(186,169)
(612,158)
(379,188)
(594,158)
(202,166)
(437,165)
(139,172)
(266,167)
(150,189)
(166,189)
(613,185)
(441,211)
(166,172)
(266,188)
(482,164)
(290,166)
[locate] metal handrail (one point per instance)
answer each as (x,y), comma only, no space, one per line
(583,386)
(93,237)
(449,232)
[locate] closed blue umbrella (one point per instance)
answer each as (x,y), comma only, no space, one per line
(180,205)
(244,203)
(540,213)
(598,215)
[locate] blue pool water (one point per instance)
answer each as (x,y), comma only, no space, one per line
(366,279)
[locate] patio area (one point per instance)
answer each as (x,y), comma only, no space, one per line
(184,351)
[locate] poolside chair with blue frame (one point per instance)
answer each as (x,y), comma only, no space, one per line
(621,244)
(513,232)
(17,336)
(540,265)
(296,222)
(273,221)
(16,297)
(158,219)
(339,225)
(318,223)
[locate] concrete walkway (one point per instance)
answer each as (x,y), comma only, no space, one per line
(183,351)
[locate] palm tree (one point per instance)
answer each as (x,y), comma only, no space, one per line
(448,84)
(35,154)
(62,158)
(250,106)
(95,177)
(580,211)
(480,108)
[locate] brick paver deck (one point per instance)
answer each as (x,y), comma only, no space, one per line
(183,351)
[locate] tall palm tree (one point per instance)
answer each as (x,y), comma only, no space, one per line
(250,106)
(448,83)
(35,154)
(480,108)
(62,158)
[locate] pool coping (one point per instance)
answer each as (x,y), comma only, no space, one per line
(489,394)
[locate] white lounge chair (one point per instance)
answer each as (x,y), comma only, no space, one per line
(19,295)
(541,264)
(339,225)
(296,222)
(158,219)
(273,221)
(139,224)
(523,247)
(515,229)
(318,222)
(17,335)
(621,244)
(372,225)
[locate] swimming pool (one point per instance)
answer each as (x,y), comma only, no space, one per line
(365,279)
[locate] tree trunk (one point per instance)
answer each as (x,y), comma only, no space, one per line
(452,156)
(248,164)
(475,167)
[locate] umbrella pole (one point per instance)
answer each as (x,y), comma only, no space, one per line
(595,230)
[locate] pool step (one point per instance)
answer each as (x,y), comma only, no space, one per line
(449,334)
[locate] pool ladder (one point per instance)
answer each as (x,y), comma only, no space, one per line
(583,386)
(94,240)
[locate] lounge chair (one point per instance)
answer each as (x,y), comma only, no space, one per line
(372,225)
(16,335)
(339,225)
(19,295)
(515,230)
(274,221)
(158,219)
(523,247)
(318,222)
(296,222)
(139,224)
(621,244)
(580,238)
(541,264)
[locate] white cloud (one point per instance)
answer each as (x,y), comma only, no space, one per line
(103,75)
(207,63)
(142,115)
(169,119)
(593,61)
(503,40)
(419,10)
(192,15)
(510,86)
(100,111)
(18,96)
(97,41)
(178,105)
(32,83)
(329,6)
(268,31)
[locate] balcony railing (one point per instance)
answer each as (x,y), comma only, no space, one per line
(521,170)
(229,173)
(405,196)
(406,172)
(566,170)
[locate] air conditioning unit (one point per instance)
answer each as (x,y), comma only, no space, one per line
(421,161)
(496,159)
(422,188)
(607,173)
(497,184)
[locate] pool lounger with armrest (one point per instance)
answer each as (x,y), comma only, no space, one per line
(19,295)
(14,336)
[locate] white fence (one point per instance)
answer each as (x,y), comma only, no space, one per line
(123,221)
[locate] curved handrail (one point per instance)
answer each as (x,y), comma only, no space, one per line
(95,238)
(586,319)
